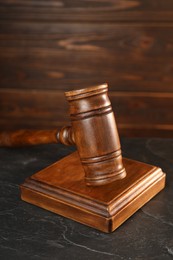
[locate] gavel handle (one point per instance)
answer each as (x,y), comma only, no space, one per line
(35,137)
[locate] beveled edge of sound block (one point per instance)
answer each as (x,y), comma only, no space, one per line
(105,207)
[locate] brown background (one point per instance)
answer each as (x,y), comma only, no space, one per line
(48,47)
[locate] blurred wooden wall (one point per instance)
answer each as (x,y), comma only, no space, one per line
(48,47)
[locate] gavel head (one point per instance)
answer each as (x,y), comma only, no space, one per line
(96,135)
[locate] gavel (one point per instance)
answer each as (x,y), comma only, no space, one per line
(93,130)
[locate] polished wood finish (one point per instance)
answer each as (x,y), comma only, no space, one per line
(27,137)
(96,135)
(35,137)
(48,48)
(61,188)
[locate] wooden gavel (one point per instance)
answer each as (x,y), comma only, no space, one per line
(93,131)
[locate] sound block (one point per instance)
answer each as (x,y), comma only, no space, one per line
(61,189)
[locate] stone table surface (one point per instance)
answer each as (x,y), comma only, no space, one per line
(29,232)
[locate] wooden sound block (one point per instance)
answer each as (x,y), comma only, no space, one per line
(61,188)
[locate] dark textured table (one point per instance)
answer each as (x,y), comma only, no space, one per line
(29,232)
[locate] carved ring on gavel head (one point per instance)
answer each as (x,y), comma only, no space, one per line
(95,135)
(93,131)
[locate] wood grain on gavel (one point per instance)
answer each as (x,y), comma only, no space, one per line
(35,137)
(96,135)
